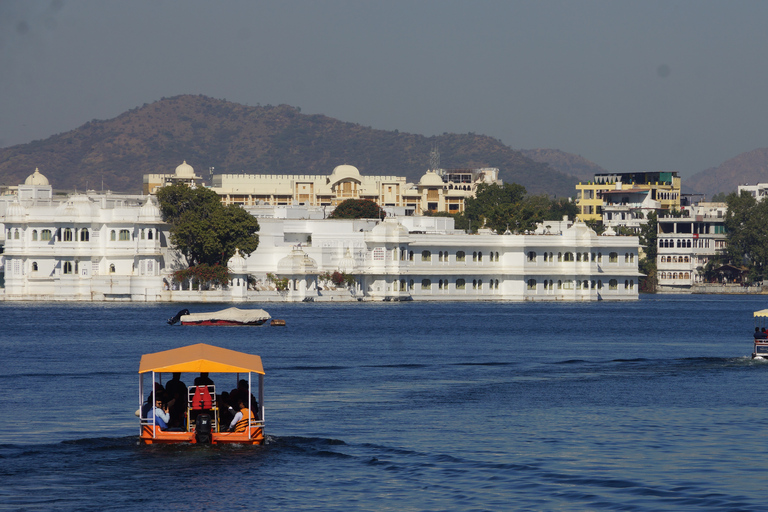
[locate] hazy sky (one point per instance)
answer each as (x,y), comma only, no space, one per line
(645,85)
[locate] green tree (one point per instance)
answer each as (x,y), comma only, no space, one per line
(204,230)
(499,207)
(648,240)
(358,209)
(746,226)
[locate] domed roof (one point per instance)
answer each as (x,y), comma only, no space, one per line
(185,171)
(15,212)
(347,263)
(36,178)
(149,211)
(77,206)
(389,229)
(236,263)
(297,262)
(341,172)
(431,179)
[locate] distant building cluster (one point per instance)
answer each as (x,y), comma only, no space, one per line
(110,247)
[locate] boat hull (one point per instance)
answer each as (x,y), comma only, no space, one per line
(256,437)
(223,322)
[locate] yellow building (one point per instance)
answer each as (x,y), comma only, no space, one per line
(634,188)
(184,174)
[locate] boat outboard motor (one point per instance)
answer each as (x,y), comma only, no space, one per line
(203,428)
(176,318)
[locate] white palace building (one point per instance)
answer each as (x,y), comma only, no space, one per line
(107,247)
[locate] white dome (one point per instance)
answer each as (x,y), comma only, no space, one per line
(15,212)
(344,172)
(77,206)
(431,179)
(185,171)
(236,263)
(347,263)
(149,211)
(36,178)
(297,262)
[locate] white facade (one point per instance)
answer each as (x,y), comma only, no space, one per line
(102,247)
(759,191)
(687,243)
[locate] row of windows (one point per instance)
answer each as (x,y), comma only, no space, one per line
(585,257)
(83,235)
(67,267)
(675,259)
(477,256)
(550,284)
(675,275)
(442,284)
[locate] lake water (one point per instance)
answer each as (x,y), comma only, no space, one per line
(650,405)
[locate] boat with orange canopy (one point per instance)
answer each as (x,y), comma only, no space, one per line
(201,419)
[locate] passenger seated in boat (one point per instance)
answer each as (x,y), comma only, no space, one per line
(160,414)
(177,391)
(226,412)
(242,392)
(203,380)
(760,334)
(240,422)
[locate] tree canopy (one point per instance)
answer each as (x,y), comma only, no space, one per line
(649,233)
(499,207)
(204,230)
(746,225)
(357,209)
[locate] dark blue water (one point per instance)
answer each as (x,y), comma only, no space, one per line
(652,405)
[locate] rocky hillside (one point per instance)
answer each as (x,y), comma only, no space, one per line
(567,163)
(747,168)
(234,138)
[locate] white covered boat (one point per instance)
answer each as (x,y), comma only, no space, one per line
(229,316)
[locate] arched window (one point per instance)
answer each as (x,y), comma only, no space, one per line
(460,256)
(600,257)
(474,256)
(479,256)
(410,284)
(34,266)
(626,257)
(426,256)
(460,284)
(426,284)
(559,256)
(613,257)
(497,256)
(410,256)
(497,284)
(440,284)
(586,256)
(599,284)
(626,284)
(687,275)
(141,234)
(480,284)
(16,234)
(149,234)
(559,284)
(688,243)
(569,256)
(45,235)
(125,235)
(531,256)
(67,235)
(613,284)
(67,267)
(112,235)
(678,242)
(631,284)
(112,267)
(474,284)
(34,235)
(531,284)
(578,256)
(84,235)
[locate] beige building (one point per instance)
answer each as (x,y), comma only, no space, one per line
(184,174)
(437,191)
(627,194)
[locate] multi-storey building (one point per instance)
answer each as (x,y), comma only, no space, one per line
(105,247)
(686,243)
(627,198)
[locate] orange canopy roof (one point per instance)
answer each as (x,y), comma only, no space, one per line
(201,358)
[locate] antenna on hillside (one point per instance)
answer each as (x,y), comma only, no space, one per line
(434,159)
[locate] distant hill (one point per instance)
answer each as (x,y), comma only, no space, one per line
(233,138)
(747,168)
(567,163)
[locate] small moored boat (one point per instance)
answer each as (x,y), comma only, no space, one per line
(761,337)
(229,316)
(199,419)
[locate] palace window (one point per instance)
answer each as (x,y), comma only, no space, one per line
(84,235)
(531,284)
(532,256)
(613,284)
(112,268)
(426,284)
(426,256)
(480,256)
(460,284)
(67,267)
(125,235)
(34,266)
(460,256)
(480,284)
(67,235)
(613,257)
(568,256)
